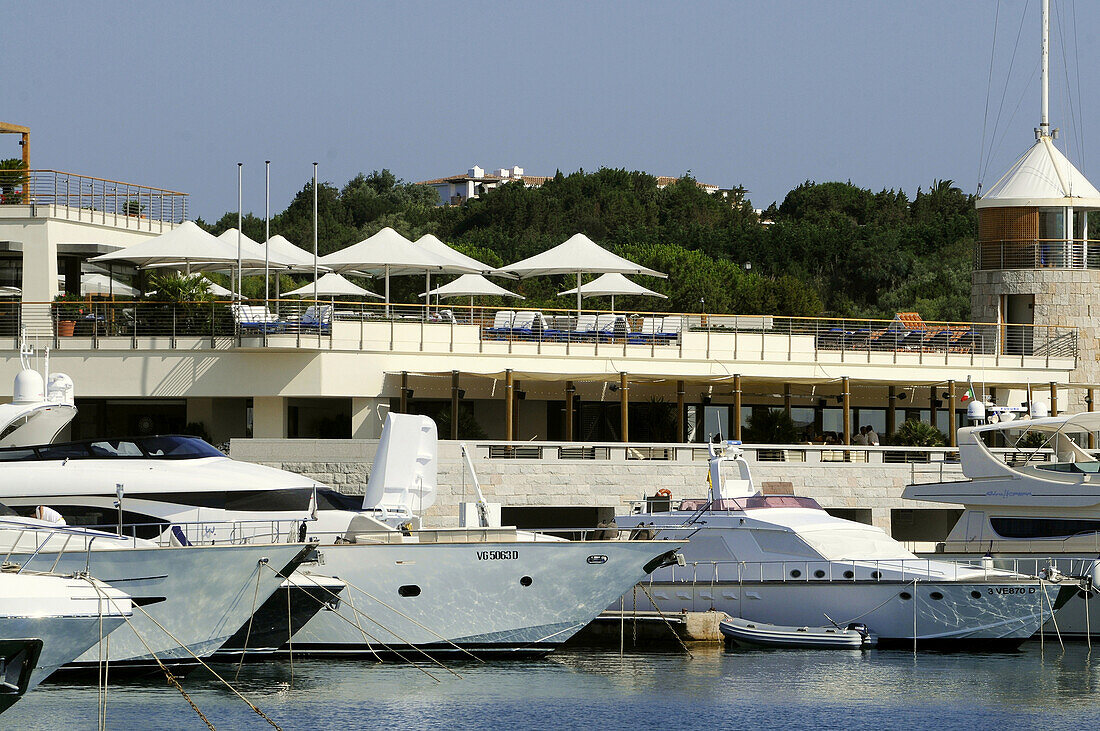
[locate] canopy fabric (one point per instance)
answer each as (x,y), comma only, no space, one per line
(579,254)
(434,245)
(252,250)
(1042,176)
(295,257)
(612,284)
(333,285)
(219,291)
(389,252)
(472,285)
(185,247)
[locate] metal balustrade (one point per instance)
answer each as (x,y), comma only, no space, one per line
(1037,254)
(420,328)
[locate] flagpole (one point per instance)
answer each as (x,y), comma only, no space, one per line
(267,235)
(315,240)
(239,219)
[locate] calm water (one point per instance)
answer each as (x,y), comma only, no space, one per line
(718,688)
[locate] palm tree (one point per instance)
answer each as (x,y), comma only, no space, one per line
(12,175)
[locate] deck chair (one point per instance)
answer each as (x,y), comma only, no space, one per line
(647,333)
(256,317)
(316,318)
(584,328)
(502,324)
(610,326)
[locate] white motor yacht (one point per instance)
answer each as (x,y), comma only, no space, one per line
(485,588)
(1030,512)
(188,599)
(46,621)
(783,560)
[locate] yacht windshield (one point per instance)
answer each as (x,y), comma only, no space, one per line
(166,447)
(854,543)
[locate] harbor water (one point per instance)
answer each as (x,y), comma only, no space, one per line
(727,688)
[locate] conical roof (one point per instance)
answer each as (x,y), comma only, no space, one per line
(578,254)
(1042,177)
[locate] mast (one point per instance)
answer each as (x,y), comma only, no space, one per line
(1044,119)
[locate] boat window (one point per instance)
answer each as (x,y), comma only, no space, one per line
(115,448)
(176,447)
(64,451)
(782,543)
(329,499)
(1077,467)
(17,455)
(289,499)
(105,519)
(854,543)
(1043,527)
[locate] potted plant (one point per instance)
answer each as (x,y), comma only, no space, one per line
(67,310)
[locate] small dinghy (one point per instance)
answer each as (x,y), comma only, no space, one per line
(759,634)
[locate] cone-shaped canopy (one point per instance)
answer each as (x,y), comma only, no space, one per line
(1042,177)
(612,284)
(472,285)
(333,285)
(252,250)
(93,283)
(389,252)
(295,257)
(185,246)
(434,245)
(577,255)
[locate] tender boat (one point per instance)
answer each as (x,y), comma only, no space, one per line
(782,559)
(46,621)
(761,634)
(1030,512)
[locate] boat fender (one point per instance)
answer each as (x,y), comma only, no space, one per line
(302,532)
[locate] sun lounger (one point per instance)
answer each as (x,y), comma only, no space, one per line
(584,328)
(610,326)
(647,333)
(315,318)
(502,324)
(256,317)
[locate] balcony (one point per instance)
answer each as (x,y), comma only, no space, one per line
(1037,254)
(83,198)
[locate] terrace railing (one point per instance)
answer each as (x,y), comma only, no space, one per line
(420,328)
(99,200)
(1037,254)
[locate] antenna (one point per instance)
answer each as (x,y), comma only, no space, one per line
(1044,118)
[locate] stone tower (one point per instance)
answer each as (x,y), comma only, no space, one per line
(1036,268)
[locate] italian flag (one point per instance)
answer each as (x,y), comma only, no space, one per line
(969,395)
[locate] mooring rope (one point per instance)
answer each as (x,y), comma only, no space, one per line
(667,623)
(251,616)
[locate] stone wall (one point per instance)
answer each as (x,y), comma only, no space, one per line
(1063,298)
(613,482)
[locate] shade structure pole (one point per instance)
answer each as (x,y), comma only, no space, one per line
(387,290)
(612,303)
(267,235)
(427,292)
(1044,121)
(239,220)
(578,294)
(315,235)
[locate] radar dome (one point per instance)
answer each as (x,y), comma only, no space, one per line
(28,387)
(60,389)
(975,410)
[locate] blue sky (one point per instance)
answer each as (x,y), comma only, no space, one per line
(763,94)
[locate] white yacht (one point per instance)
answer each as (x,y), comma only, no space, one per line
(782,559)
(188,600)
(46,621)
(1031,512)
(485,588)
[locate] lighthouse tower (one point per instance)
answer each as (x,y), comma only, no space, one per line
(1036,267)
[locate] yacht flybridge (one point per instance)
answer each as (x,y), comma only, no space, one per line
(1032,512)
(428,588)
(782,559)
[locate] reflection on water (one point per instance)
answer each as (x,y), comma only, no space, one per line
(821,689)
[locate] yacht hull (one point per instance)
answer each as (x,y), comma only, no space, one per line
(955,613)
(196,596)
(63,638)
(513,597)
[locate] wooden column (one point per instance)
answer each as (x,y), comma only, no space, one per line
(891,412)
(1053,398)
(518,395)
(680,435)
(509,405)
(787,399)
(1089,400)
(951,425)
(570,395)
(454,404)
(737,407)
(624,405)
(404,407)
(846,401)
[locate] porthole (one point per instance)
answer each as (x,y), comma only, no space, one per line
(819,574)
(795,573)
(905,595)
(849,575)
(936,595)
(409,590)
(876,575)
(525,581)
(976,594)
